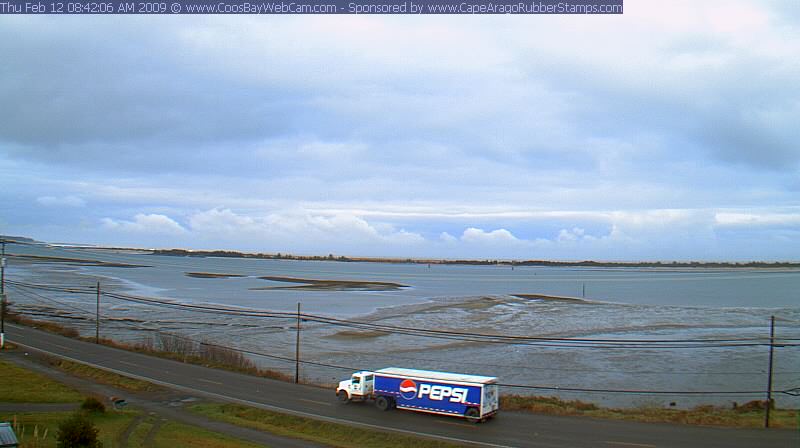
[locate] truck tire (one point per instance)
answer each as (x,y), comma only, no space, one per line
(473,415)
(342,396)
(382,403)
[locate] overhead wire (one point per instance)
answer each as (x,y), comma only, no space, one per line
(451,334)
(791,391)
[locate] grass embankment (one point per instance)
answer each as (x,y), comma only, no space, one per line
(18,385)
(39,429)
(103,376)
(172,434)
(309,429)
(168,346)
(748,415)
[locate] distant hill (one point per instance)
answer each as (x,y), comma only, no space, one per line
(587,263)
(18,239)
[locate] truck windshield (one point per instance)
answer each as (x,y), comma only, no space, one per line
(356,380)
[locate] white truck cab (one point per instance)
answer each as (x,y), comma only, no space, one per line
(359,387)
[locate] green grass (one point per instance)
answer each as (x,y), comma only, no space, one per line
(178,435)
(103,376)
(139,434)
(110,424)
(39,430)
(173,434)
(332,434)
(749,415)
(19,385)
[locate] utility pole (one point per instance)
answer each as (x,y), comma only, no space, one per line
(769,374)
(297,348)
(3,296)
(97,317)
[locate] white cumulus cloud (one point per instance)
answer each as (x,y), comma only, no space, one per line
(142,223)
(499,236)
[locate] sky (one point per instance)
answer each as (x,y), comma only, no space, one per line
(667,133)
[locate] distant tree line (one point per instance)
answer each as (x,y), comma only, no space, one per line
(547,263)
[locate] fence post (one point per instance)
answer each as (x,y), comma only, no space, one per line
(3,296)
(97,317)
(769,371)
(297,348)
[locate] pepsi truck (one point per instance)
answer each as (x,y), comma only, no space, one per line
(472,397)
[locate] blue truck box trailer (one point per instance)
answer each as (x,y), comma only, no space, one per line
(472,397)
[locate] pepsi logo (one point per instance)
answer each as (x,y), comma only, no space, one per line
(408,389)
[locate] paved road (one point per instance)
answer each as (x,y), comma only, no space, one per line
(508,429)
(158,405)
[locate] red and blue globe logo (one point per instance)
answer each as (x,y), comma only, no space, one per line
(408,389)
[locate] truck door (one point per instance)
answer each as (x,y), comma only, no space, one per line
(489,401)
(356,385)
(369,384)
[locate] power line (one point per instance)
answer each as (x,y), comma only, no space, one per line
(791,391)
(456,335)
(365,325)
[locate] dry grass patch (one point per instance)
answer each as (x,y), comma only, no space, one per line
(103,376)
(749,415)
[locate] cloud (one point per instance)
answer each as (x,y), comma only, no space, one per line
(447,238)
(61,201)
(572,235)
(494,237)
(656,134)
(149,224)
(757,220)
(301,230)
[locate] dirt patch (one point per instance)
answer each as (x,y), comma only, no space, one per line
(330,285)
(353,334)
(212,275)
(553,298)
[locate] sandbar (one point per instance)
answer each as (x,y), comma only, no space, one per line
(211,275)
(330,285)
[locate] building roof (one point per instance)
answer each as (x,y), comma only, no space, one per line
(7,436)
(437,376)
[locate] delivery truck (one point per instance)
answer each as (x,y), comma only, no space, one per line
(472,397)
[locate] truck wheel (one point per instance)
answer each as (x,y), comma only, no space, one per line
(473,415)
(342,396)
(382,403)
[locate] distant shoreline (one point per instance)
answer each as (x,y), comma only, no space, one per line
(540,263)
(429,261)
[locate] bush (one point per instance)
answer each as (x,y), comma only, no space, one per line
(77,432)
(92,404)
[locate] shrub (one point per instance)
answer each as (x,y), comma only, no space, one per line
(92,404)
(77,432)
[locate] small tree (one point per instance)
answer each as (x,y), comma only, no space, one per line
(92,404)
(78,432)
